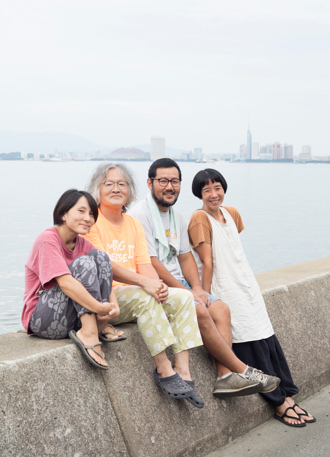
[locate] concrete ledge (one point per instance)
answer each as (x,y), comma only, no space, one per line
(53,403)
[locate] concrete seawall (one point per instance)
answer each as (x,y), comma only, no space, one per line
(53,403)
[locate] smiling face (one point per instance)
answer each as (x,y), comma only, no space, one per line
(168,195)
(79,219)
(213,195)
(114,190)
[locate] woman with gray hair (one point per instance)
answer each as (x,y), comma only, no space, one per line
(165,317)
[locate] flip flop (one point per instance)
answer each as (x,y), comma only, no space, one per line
(281,418)
(173,386)
(83,347)
(305,413)
(193,398)
(102,334)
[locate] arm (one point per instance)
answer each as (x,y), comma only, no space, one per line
(151,285)
(190,272)
(77,292)
(204,250)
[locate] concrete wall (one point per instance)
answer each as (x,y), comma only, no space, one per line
(53,403)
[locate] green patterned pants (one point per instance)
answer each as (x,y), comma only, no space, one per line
(173,323)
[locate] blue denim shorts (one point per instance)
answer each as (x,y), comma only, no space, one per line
(186,284)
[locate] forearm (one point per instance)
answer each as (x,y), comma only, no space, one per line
(165,275)
(189,270)
(78,293)
(207,277)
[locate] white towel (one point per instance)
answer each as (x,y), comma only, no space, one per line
(167,248)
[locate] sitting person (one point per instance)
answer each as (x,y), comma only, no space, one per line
(68,283)
(170,252)
(165,317)
(224,271)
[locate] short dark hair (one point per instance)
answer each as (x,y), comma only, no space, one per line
(203,177)
(162,163)
(68,200)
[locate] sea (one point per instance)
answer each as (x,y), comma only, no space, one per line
(285,209)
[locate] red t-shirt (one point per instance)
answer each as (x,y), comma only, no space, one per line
(48,259)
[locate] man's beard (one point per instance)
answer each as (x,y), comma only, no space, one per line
(162,202)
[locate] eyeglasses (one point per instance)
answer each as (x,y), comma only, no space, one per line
(111,184)
(163,182)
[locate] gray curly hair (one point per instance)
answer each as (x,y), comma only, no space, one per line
(100,175)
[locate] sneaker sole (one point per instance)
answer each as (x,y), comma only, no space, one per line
(250,390)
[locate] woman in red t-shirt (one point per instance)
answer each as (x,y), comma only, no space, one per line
(68,283)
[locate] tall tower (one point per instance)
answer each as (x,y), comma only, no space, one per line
(157,150)
(249,144)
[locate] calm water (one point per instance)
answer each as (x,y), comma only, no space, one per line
(285,209)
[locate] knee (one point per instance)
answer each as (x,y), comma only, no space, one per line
(203,315)
(223,310)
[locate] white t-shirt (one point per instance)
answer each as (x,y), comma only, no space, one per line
(141,212)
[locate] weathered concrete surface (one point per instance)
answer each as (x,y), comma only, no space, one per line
(53,403)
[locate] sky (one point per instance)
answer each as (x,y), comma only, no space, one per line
(196,72)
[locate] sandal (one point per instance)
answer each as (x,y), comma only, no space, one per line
(193,398)
(113,332)
(304,413)
(173,386)
(281,418)
(83,347)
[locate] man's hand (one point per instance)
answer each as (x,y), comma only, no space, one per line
(163,294)
(153,287)
(201,296)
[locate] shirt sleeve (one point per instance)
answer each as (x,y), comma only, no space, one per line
(184,238)
(142,255)
(49,262)
(199,229)
(142,214)
(236,216)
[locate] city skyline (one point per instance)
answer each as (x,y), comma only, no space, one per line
(193,72)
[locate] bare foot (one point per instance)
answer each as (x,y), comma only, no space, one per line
(299,410)
(279,410)
(88,340)
(110,333)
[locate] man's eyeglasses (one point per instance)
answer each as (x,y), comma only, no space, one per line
(163,182)
(111,184)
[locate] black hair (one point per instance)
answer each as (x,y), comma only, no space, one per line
(68,200)
(203,177)
(162,163)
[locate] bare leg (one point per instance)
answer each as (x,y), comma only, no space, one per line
(181,364)
(163,365)
(214,342)
(89,335)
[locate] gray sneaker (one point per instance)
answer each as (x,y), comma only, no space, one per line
(235,385)
(269,383)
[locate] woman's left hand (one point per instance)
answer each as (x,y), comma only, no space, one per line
(163,294)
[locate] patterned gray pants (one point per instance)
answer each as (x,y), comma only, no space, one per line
(56,314)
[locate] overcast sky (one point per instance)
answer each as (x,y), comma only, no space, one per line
(194,71)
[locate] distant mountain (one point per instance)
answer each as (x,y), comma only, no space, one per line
(45,142)
(171,152)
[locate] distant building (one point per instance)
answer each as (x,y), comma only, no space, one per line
(255,151)
(198,154)
(306,153)
(249,145)
(242,151)
(157,150)
(277,151)
(266,152)
(287,151)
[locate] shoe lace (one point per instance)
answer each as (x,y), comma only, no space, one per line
(258,375)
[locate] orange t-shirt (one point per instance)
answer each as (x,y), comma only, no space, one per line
(125,245)
(200,228)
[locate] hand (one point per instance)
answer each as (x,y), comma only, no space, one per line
(201,296)
(163,294)
(108,311)
(153,287)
